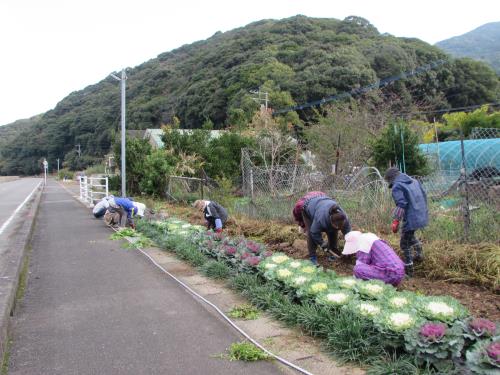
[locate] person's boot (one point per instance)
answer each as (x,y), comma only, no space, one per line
(314,260)
(409,270)
(419,253)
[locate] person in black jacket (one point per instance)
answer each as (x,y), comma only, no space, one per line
(215,214)
(323,214)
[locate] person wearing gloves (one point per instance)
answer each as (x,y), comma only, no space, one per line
(323,214)
(215,215)
(297,209)
(118,207)
(411,209)
(375,259)
(100,207)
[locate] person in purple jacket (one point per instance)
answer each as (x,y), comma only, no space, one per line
(411,209)
(375,259)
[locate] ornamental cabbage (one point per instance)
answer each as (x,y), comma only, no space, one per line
(283,273)
(435,343)
(373,288)
(346,282)
(335,297)
(484,357)
(445,309)
(278,259)
(365,308)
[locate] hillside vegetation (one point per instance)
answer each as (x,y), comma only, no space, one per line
(481,44)
(295,60)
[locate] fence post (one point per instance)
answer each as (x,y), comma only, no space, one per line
(251,183)
(107,186)
(463,172)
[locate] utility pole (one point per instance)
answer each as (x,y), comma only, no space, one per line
(57,165)
(122,80)
(45,168)
(261,97)
(79,150)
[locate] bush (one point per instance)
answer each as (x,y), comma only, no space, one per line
(65,173)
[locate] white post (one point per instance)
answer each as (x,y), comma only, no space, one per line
(107,187)
(45,168)
(123,78)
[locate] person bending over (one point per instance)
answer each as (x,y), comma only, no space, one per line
(215,215)
(323,214)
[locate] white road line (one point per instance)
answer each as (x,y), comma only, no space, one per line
(4,226)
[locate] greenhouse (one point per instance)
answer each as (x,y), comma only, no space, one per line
(479,153)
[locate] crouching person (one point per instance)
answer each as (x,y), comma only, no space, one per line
(100,207)
(299,205)
(375,259)
(215,215)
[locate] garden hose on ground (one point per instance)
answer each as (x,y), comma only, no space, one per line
(221,313)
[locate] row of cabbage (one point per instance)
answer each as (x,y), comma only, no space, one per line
(437,330)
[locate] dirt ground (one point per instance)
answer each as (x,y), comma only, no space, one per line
(480,301)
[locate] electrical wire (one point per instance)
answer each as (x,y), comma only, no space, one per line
(362,90)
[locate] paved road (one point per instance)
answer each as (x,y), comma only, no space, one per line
(12,194)
(92,307)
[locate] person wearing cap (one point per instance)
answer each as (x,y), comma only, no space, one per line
(100,207)
(375,259)
(299,205)
(323,214)
(215,215)
(411,209)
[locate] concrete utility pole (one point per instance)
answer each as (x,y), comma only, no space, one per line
(45,168)
(259,98)
(57,165)
(122,80)
(79,149)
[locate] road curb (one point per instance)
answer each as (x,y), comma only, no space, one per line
(15,256)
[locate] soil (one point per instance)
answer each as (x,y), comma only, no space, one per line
(480,301)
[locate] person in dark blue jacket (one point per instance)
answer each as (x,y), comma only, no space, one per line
(411,208)
(323,214)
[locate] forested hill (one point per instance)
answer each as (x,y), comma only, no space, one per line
(481,44)
(296,60)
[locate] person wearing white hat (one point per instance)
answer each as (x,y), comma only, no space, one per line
(375,259)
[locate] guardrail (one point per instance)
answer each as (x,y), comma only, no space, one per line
(92,188)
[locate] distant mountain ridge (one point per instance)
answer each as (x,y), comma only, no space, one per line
(481,44)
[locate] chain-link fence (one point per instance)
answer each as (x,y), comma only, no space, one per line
(463,191)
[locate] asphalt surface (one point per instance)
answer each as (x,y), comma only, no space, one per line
(12,194)
(92,307)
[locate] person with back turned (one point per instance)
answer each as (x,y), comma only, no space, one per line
(411,209)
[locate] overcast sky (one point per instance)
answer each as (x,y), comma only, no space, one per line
(50,48)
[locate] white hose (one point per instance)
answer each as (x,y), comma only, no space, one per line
(221,313)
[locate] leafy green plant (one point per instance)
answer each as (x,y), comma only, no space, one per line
(246,312)
(444,308)
(122,233)
(435,343)
(246,351)
(216,270)
(484,357)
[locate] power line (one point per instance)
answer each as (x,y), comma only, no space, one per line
(448,110)
(362,90)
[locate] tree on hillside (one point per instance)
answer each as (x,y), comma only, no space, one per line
(397,145)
